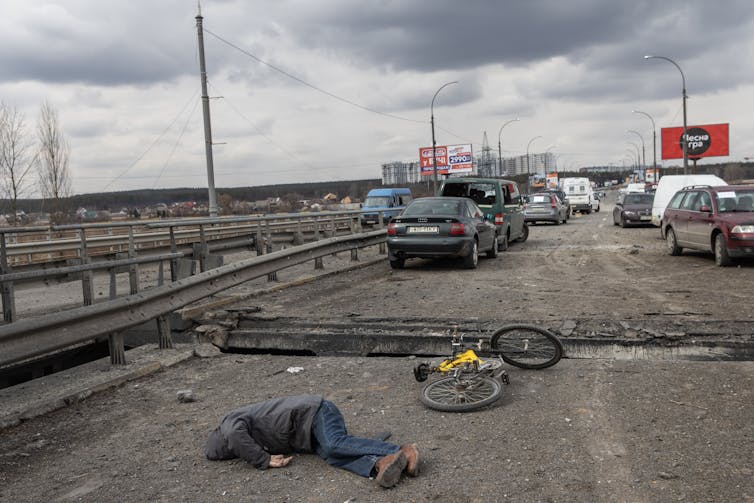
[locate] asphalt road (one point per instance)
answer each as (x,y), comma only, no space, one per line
(582,431)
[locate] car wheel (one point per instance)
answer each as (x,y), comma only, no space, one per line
(557,220)
(492,252)
(525,234)
(598,209)
(622,221)
(397,263)
(615,220)
(502,243)
(721,252)
(671,242)
(565,219)
(471,260)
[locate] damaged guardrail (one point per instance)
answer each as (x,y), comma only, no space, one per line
(30,338)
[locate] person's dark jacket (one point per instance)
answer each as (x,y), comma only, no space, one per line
(276,426)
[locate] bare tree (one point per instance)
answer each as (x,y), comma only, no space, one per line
(54,177)
(16,157)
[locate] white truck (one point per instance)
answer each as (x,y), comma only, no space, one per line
(579,193)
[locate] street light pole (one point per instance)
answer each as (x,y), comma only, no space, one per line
(685,143)
(499,147)
(528,171)
(643,151)
(654,143)
(432,121)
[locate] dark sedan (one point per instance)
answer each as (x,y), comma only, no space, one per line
(633,208)
(440,227)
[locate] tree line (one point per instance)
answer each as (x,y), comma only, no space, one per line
(33,161)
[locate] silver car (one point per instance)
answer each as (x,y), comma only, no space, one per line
(545,207)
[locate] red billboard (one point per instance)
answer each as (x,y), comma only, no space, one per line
(709,140)
(426,162)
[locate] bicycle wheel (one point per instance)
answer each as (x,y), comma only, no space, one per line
(451,394)
(527,346)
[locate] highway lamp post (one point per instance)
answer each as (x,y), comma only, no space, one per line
(654,143)
(634,156)
(432,121)
(528,170)
(684,142)
(499,146)
(638,153)
(643,151)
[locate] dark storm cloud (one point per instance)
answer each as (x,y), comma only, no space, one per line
(600,35)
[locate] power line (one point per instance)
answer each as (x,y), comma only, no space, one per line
(152,145)
(312,86)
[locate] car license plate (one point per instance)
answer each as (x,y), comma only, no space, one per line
(427,229)
(645,217)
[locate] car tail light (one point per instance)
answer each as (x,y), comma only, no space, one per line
(499,219)
(392,229)
(553,204)
(457,229)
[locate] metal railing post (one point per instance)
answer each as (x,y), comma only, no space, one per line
(117,349)
(173,261)
(298,237)
(317,261)
(163,332)
(273,276)
(9,301)
(133,269)
(86,276)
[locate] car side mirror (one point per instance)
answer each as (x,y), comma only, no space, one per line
(705,209)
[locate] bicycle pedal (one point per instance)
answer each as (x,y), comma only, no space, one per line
(504,378)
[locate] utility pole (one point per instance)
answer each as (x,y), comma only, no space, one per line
(207,125)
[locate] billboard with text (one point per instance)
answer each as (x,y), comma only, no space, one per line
(710,140)
(450,159)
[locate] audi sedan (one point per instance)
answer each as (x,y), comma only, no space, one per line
(633,208)
(441,227)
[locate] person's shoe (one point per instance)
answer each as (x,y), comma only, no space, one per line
(411,451)
(389,469)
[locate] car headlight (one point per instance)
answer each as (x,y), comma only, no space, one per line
(629,213)
(743,229)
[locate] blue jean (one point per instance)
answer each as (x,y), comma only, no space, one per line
(338,448)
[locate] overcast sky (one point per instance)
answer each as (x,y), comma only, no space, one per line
(317,90)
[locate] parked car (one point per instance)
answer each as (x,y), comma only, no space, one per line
(545,207)
(498,198)
(596,202)
(563,197)
(633,208)
(717,219)
(440,227)
(670,184)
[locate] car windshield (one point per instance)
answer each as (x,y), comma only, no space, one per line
(638,199)
(540,198)
(376,201)
(443,206)
(729,201)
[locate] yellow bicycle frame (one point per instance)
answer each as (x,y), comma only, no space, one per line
(465,358)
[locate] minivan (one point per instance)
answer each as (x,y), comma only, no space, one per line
(389,202)
(499,199)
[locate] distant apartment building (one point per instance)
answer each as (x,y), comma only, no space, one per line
(400,173)
(533,164)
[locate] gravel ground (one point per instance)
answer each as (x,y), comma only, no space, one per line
(584,430)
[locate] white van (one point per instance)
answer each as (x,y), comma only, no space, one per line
(670,184)
(579,193)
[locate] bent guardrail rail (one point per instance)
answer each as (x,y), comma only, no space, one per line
(30,338)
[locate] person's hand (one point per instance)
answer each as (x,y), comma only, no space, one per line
(279,461)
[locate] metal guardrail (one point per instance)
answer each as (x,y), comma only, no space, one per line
(83,242)
(30,338)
